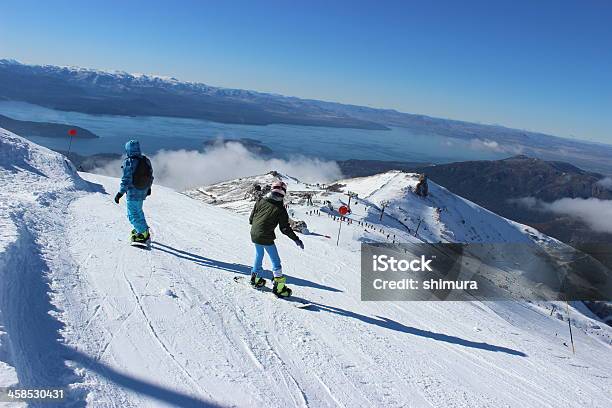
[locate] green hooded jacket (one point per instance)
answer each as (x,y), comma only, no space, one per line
(266,215)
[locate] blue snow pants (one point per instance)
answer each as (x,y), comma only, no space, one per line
(136,215)
(272,253)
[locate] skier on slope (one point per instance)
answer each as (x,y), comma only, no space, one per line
(267,213)
(136,182)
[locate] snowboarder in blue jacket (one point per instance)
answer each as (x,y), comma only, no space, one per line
(136,182)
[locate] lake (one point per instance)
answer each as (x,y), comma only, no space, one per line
(157,133)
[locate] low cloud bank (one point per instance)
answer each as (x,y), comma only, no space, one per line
(606,183)
(185,169)
(493,146)
(596,213)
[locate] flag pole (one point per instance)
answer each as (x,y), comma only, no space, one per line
(71,134)
(569,323)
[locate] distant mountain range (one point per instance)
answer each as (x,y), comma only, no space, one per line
(99,92)
(119,93)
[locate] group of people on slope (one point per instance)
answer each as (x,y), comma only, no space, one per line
(268,213)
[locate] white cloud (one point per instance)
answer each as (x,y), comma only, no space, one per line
(493,146)
(606,183)
(596,213)
(184,169)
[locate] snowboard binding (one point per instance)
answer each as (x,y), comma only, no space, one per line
(142,240)
(257,281)
(279,288)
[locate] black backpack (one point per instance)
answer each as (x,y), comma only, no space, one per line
(143,174)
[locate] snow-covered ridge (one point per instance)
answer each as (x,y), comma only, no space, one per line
(114,78)
(122,78)
(36,185)
(20,156)
(118,326)
(440,217)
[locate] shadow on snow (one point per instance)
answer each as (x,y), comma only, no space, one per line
(399,327)
(231,267)
(376,321)
(169,396)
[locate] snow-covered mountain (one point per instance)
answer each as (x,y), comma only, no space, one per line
(441,217)
(122,327)
(125,80)
(121,93)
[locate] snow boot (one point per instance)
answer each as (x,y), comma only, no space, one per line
(280,288)
(257,281)
(142,238)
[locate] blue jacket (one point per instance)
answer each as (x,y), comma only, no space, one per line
(132,150)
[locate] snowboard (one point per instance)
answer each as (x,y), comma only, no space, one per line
(142,245)
(293,300)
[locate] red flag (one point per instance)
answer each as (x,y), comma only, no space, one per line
(72,132)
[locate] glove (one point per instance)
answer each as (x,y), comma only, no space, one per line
(299,243)
(118,197)
(149,191)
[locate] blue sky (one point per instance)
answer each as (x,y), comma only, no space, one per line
(538,65)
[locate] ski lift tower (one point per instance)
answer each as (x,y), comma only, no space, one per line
(383,205)
(350,195)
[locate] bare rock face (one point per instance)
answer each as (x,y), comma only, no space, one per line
(298,226)
(602,310)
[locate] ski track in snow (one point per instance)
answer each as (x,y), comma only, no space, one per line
(169,327)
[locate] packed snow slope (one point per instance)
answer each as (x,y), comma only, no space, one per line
(123,327)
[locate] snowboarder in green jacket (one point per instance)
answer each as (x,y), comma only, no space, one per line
(268,213)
